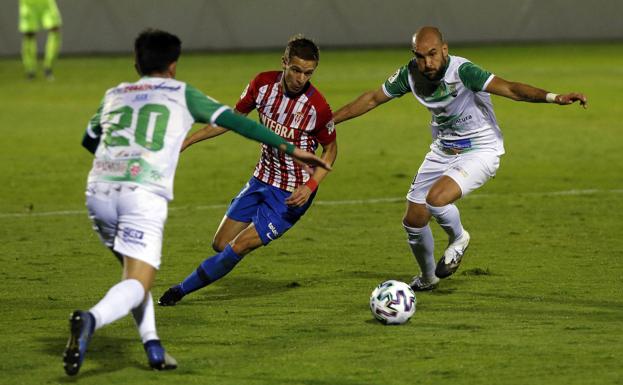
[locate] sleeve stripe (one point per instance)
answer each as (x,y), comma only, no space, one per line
(387,92)
(90,131)
(216,113)
(489,79)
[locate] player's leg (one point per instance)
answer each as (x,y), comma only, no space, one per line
(51,21)
(467,173)
(132,220)
(227,230)
(416,221)
(439,202)
(143,314)
(101,206)
(117,303)
(421,242)
(215,267)
(29,54)
(145,318)
(273,218)
(28,26)
(52,49)
(238,217)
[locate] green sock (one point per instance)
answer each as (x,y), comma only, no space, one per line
(52,48)
(29,54)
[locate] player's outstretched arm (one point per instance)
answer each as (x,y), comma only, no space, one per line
(526,93)
(253,130)
(204,133)
(364,103)
(207,132)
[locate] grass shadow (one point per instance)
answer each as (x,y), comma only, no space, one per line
(106,354)
(236,288)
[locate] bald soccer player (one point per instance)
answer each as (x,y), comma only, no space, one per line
(467,142)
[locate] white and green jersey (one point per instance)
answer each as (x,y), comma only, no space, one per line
(462,113)
(142,127)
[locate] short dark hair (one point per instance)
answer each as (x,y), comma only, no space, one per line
(155,50)
(303,48)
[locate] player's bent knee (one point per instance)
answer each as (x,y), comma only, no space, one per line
(438,200)
(218,245)
(417,215)
(415,221)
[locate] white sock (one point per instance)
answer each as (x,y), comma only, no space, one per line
(449,219)
(146,319)
(422,246)
(117,303)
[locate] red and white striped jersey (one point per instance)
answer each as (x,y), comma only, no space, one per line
(305,120)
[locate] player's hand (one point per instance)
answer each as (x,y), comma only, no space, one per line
(571,98)
(307,159)
(299,197)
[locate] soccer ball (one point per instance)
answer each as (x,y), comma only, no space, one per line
(393,302)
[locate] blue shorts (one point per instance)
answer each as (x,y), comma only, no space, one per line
(265,206)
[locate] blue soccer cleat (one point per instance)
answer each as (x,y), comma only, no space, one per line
(81,326)
(158,358)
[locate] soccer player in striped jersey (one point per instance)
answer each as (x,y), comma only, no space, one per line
(467,141)
(280,191)
(136,136)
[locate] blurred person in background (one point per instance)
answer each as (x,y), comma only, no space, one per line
(35,15)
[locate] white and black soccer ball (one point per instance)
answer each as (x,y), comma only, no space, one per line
(393,302)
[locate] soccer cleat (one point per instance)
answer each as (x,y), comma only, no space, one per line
(49,75)
(81,326)
(452,257)
(158,358)
(421,284)
(172,296)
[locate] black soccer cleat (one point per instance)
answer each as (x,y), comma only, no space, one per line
(81,327)
(452,257)
(157,357)
(420,284)
(172,296)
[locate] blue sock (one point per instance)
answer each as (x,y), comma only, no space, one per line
(210,270)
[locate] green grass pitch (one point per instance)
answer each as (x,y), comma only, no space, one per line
(536,301)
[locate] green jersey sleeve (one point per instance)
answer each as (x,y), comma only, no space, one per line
(252,130)
(203,108)
(397,84)
(473,77)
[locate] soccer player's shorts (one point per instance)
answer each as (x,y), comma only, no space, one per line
(469,170)
(265,206)
(129,219)
(37,14)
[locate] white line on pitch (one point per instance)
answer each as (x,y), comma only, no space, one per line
(327,203)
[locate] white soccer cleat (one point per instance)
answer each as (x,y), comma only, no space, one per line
(419,283)
(452,257)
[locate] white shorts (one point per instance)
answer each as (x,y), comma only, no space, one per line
(129,219)
(469,170)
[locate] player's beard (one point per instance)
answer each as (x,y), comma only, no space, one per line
(425,85)
(441,71)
